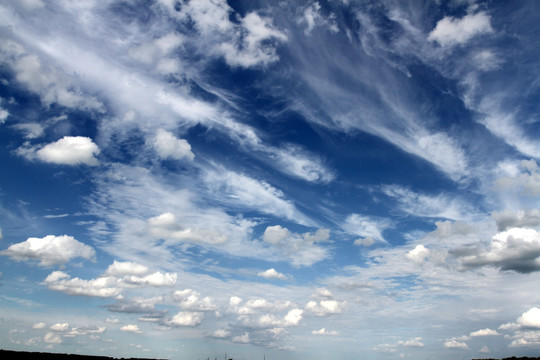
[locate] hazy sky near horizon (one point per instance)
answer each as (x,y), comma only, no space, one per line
(296,179)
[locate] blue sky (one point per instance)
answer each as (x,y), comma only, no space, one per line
(295,179)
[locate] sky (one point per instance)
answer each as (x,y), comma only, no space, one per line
(270,179)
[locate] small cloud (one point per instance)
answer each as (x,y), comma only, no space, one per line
(272,274)
(455,344)
(112,320)
(221,334)
(242,339)
(40,325)
(168,146)
(323,331)
(52,338)
(187,318)
(60,327)
(418,255)
(450,31)
(70,150)
(131,328)
(484,332)
(325,307)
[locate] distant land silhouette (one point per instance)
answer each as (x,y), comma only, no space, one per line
(9,354)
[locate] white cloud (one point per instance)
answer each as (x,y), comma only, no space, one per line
(60,327)
(272,274)
(190,300)
(239,190)
(369,228)
(450,31)
(325,307)
(530,318)
(123,268)
(169,147)
(293,317)
(131,328)
(187,318)
(522,178)
(299,249)
(168,226)
(117,277)
(3,115)
(40,325)
(516,249)
(414,342)
(525,338)
(484,332)
(437,206)
(323,331)
(48,82)
(70,150)
(50,250)
(418,255)
(456,344)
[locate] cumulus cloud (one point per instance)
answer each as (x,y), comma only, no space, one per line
(455,344)
(187,318)
(117,277)
(530,318)
(516,249)
(484,332)
(271,274)
(169,146)
(40,325)
(131,328)
(70,150)
(325,307)
(299,249)
(522,178)
(50,250)
(52,338)
(189,299)
(418,255)
(221,333)
(450,31)
(323,331)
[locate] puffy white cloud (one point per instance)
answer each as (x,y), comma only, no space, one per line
(190,300)
(516,249)
(293,317)
(187,318)
(117,277)
(299,249)
(100,287)
(40,325)
(70,150)
(50,250)
(455,344)
(169,146)
(450,31)
(323,331)
(418,255)
(530,318)
(525,338)
(484,332)
(123,268)
(271,274)
(326,307)
(60,327)
(131,328)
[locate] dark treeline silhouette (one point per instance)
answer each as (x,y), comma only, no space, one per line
(514,358)
(8,354)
